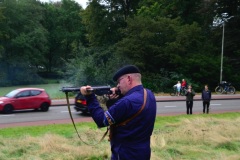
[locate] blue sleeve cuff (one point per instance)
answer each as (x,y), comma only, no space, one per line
(108,119)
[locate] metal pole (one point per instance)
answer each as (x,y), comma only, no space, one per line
(221,70)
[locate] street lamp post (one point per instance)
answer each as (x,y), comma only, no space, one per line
(221,69)
(223,21)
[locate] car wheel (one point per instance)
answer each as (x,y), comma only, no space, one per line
(8,109)
(44,107)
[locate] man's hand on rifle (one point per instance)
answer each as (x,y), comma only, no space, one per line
(114,93)
(111,92)
(86,90)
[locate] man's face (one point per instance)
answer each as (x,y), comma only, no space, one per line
(122,84)
(206,87)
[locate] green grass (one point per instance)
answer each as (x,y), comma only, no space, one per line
(182,137)
(65,130)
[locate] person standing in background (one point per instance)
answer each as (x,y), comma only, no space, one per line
(206,98)
(190,93)
(178,86)
(184,84)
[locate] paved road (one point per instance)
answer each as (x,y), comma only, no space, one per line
(166,105)
(55,115)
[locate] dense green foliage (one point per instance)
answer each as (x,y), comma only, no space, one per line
(167,40)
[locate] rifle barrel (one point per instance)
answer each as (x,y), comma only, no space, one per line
(99,90)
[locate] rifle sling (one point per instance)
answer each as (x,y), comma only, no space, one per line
(129,119)
(70,113)
(136,114)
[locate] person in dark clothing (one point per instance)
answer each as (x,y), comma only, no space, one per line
(131,118)
(190,93)
(206,98)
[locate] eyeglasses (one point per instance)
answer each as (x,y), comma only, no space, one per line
(118,81)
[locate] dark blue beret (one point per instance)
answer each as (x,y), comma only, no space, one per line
(128,69)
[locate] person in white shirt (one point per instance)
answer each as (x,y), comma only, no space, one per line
(178,86)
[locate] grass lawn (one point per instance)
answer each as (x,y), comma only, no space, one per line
(182,137)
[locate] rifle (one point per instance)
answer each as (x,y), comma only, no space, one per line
(98,90)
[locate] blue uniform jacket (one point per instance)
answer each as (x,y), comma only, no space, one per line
(131,141)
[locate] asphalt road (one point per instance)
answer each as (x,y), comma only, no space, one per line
(166,105)
(55,115)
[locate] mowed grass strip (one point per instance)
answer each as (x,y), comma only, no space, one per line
(182,137)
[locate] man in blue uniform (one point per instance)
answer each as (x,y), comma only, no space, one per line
(131,118)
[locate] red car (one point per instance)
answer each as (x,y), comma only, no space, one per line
(25,98)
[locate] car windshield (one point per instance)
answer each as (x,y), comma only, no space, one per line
(11,94)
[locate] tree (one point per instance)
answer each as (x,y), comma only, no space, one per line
(1,29)
(189,11)
(66,32)
(102,24)
(163,43)
(126,8)
(24,40)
